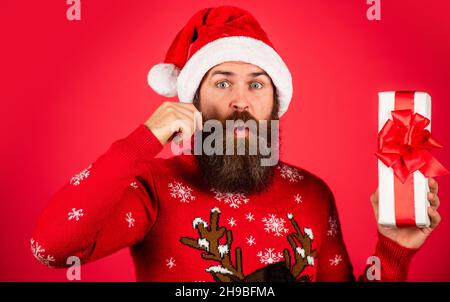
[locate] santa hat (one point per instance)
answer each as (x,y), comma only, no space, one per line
(213,36)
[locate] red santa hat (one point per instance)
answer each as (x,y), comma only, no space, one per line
(213,36)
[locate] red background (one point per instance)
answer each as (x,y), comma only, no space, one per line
(69,89)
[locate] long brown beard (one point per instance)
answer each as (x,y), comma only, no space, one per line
(237,173)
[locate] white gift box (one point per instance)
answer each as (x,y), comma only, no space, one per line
(386,209)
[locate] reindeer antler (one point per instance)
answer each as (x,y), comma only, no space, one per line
(209,242)
(303,255)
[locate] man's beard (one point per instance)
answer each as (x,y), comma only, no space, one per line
(238,173)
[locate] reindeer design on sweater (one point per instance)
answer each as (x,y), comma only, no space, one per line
(227,271)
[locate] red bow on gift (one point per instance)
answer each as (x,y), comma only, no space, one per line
(404,143)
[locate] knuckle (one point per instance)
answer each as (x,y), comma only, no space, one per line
(169,110)
(172,115)
(190,106)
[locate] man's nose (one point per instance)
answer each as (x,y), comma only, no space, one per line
(240,106)
(239,103)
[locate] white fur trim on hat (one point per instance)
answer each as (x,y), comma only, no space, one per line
(236,48)
(163,79)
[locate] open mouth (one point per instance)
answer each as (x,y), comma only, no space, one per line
(240,131)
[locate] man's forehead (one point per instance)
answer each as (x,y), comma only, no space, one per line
(236,67)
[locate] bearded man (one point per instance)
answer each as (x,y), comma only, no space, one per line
(213,216)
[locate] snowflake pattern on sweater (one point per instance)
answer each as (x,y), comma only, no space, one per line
(274,225)
(290,173)
(39,253)
(78,178)
(181,192)
(269,256)
(234,200)
(75,214)
(159,208)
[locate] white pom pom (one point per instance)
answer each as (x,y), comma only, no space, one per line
(163,79)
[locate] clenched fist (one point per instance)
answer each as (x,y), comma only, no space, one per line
(174,121)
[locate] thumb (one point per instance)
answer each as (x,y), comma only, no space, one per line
(374,202)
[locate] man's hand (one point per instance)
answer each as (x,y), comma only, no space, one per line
(412,237)
(174,118)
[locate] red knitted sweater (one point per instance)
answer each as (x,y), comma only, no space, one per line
(180,229)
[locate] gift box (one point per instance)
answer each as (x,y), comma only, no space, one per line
(404,158)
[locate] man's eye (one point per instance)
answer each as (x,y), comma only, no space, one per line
(223,84)
(256,85)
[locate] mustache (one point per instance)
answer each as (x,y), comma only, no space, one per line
(241,115)
(234,116)
(240,120)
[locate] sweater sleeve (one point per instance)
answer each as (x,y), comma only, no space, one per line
(334,262)
(394,260)
(109,205)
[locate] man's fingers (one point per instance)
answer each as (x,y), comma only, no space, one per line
(191,111)
(198,120)
(188,106)
(432,183)
(434,200)
(374,197)
(374,202)
(174,119)
(435,217)
(184,126)
(184,110)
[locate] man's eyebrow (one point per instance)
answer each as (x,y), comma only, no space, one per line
(222,72)
(258,73)
(229,73)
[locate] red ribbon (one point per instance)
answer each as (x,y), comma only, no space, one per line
(404,145)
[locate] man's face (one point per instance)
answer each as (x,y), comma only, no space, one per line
(237,91)
(236,86)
